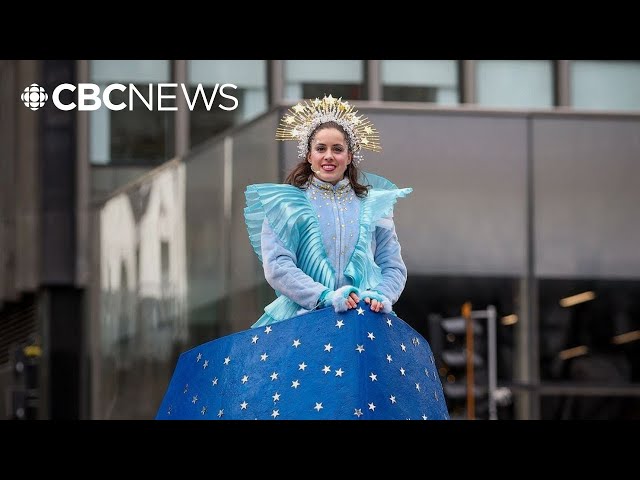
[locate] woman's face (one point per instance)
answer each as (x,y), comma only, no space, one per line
(329,155)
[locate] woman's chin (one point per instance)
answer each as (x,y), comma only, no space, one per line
(329,177)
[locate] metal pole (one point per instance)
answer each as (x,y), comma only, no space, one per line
(471,405)
(493,364)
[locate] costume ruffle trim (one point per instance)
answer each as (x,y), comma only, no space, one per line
(377,205)
(292,219)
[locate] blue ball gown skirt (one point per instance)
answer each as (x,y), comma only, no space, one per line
(322,365)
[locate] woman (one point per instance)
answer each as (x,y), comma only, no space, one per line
(328,245)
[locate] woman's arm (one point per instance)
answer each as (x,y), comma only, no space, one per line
(283,274)
(387,256)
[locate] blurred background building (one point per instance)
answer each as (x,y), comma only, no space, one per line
(123,243)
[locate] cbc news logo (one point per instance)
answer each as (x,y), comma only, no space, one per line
(34,96)
(160,97)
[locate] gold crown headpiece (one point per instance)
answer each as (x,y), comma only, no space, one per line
(305,117)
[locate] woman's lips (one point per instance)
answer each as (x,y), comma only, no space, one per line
(328,168)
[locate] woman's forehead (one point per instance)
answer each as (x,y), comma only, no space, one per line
(326,135)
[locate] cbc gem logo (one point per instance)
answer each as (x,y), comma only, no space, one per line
(34,96)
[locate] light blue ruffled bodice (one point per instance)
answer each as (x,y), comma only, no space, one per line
(328,230)
(337,208)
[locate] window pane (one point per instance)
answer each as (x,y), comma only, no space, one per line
(605,84)
(434,81)
(248,75)
(590,331)
(314,78)
(514,83)
(580,407)
(135,135)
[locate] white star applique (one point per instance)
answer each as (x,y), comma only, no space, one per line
(360,311)
(339,372)
(389,322)
(326,369)
(302,366)
(263,357)
(402,370)
(274,376)
(358,412)
(418,386)
(204,410)
(389,359)
(194,399)
(371,335)
(244,405)
(198,357)
(275,413)
(214,382)
(276,397)
(296,343)
(404,349)
(268,329)
(360,348)
(205,364)
(339,324)
(245,379)
(318,406)
(295,384)
(424,417)
(220,413)
(328,347)
(392,398)
(372,407)
(426,372)
(373,377)
(254,339)
(227,360)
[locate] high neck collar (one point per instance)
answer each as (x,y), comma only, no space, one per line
(328,185)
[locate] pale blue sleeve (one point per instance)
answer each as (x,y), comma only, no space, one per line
(388,257)
(283,274)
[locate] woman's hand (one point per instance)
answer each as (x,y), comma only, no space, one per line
(378,302)
(342,299)
(352,300)
(376,306)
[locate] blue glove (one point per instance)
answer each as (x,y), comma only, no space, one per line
(338,298)
(373,295)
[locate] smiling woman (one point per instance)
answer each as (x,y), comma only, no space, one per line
(330,341)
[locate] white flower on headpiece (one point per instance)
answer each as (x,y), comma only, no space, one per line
(303,118)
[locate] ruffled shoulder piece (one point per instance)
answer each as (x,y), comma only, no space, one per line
(376,181)
(382,196)
(375,207)
(293,220)
(379,204)
(282,205)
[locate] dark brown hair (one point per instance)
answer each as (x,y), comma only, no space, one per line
(301,173)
